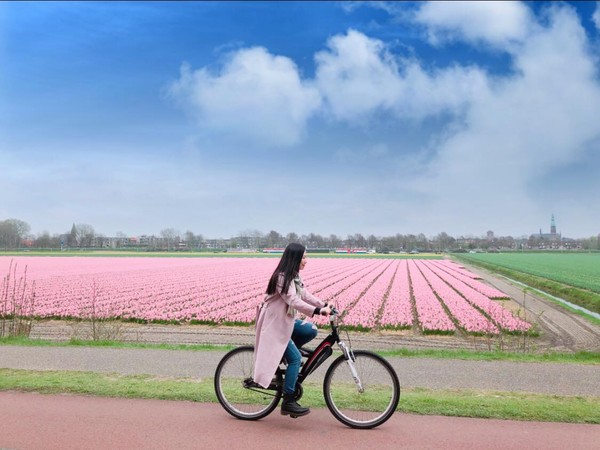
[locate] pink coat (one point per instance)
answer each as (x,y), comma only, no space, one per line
(274,328)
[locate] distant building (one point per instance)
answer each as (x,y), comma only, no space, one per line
(553,236)
(273,250)
(351,250)
(552,240)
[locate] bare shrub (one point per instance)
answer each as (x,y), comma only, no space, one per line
(16,303)
(98,322)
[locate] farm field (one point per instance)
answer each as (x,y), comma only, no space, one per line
(205,254)
(433,296)
(575,269)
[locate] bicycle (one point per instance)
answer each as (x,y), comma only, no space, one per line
(361,389)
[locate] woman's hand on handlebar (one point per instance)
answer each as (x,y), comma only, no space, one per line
(329,310)
(326,310)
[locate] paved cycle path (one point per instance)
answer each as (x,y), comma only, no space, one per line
(545,378)
(34,421)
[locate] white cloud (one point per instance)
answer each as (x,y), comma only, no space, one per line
(256,96)
(357,76)
(260,98)
(530,124)
(443,90)
(494,22)
(596,16)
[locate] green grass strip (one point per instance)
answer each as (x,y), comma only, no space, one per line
(502,405)
(472,355)
(28,342)
(465,403)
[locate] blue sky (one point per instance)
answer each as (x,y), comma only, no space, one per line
(333,118)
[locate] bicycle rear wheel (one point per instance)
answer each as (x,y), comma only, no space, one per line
(379,397)
(236,391)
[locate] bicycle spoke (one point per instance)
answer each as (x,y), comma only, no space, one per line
(240,398)
(379,396)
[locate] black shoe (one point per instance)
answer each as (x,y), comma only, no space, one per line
(290,407)
(250,383)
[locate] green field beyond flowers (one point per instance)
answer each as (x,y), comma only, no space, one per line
(576,269)
(572,276)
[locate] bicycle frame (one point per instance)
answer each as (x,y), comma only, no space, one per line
(323,351)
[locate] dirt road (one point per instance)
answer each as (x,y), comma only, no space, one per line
(34,421)
(561,330)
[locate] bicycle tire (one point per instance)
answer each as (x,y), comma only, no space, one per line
(240,400)
(379,399)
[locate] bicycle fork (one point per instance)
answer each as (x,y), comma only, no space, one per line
(349,356)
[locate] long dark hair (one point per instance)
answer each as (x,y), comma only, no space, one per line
(289,266)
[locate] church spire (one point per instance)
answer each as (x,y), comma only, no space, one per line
(552,225)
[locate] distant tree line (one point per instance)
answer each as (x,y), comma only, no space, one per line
(12,233)
(15,233)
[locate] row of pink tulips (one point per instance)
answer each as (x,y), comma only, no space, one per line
(370,298)
(397,312)
(431,314)
(467,317)
(501,316)
(469,278)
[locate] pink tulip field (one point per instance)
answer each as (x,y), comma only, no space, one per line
(435,296)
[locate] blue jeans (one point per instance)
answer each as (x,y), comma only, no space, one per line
(303,333)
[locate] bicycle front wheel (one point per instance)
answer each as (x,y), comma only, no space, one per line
(368,405)
(236,391)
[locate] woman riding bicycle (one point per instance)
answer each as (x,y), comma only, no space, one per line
(278,332)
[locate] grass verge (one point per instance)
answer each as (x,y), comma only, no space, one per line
(28,342)
(551,357)
(465,403)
